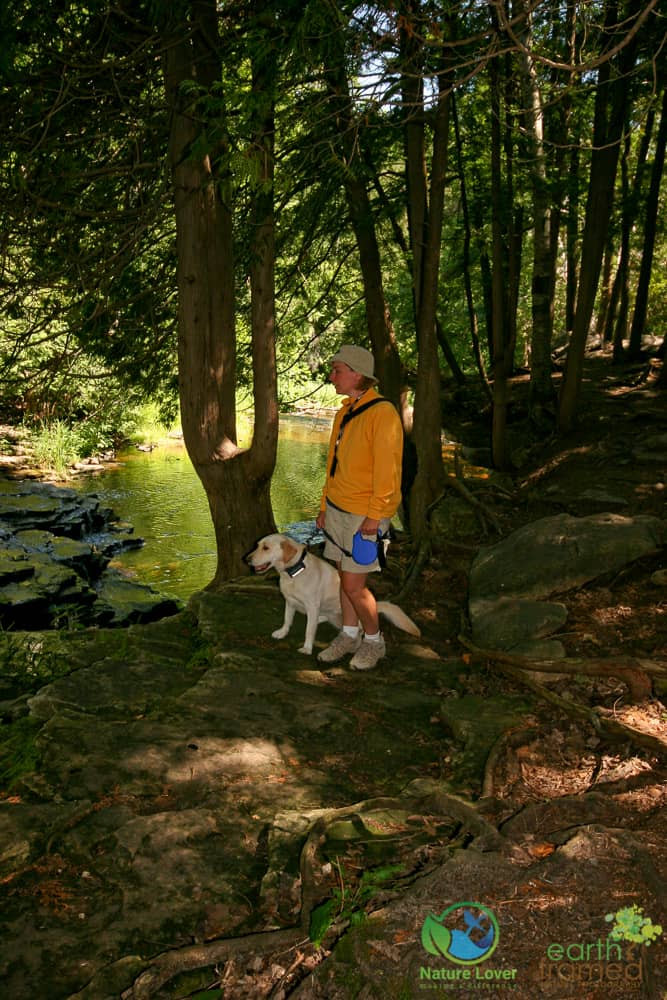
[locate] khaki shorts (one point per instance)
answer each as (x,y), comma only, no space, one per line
(342,526)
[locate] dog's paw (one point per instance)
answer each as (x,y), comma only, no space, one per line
(280,633)
(306,649)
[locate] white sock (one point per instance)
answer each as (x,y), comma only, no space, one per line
(373,638)
(351,630)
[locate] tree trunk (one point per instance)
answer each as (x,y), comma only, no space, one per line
(262,456)
(607,304)
(499,308)
(236,483)
(465,264)
(389,369)
(572,241)
(651,220)
(416,183)
(427,416)
(611,98)
(541,387)
(616,328)
(619,329)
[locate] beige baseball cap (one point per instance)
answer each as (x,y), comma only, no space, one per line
(357,358)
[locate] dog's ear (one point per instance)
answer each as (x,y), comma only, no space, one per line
(289,549)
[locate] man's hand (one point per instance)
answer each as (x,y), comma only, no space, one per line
(369,526)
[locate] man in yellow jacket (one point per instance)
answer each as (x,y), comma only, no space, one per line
(362,492)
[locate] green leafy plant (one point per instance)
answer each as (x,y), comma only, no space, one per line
(31,660)
(56,446)
(348,901)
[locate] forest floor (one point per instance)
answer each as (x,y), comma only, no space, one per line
(576,817)
(559,774)
(557,786)
(584,814)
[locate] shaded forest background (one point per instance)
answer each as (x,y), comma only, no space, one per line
(200,200)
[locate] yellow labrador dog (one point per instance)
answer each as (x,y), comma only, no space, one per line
(311,586)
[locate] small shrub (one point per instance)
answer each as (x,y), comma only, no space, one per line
(56,446)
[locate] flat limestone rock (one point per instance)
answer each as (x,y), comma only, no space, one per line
(509,622)
(556,554)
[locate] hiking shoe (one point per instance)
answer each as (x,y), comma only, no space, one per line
(340,647)
(368,654)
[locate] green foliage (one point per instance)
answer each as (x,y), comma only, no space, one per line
(348,901)
(31,660)
(144,424)
(56,446)
(89,281)
(19,753)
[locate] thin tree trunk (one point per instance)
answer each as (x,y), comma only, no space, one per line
(616,328)
(264,446)
(619,329)
(427,417)
(572,242)
(541,387)
(389,369)
(499,309)
(607,305)
(650,224)
(611,98)
(467,239)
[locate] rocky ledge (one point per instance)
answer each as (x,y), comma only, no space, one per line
(55,549)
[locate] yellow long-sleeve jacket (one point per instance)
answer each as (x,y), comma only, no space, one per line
(368,453)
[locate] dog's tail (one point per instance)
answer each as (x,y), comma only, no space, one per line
(398,617)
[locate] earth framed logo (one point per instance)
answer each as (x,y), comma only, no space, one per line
(465,934)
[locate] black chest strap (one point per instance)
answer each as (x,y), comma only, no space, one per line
(350,415)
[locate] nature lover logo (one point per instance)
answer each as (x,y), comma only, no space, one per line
(465,934)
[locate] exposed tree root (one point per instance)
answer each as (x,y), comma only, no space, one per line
(483,512)
(634,672)
(601,719)
(510,738)
(428,795)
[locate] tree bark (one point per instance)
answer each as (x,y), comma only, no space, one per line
(541,387)
(650,227)
(236,483)
(350,138)
(611,98)
(499,365)
(465,264)
(427,416)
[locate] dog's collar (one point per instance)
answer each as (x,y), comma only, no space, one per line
(299,566)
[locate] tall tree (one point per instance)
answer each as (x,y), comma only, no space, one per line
(650,229)
(349,138)
(611,96)
(237,482)
(426,241)
(542,289)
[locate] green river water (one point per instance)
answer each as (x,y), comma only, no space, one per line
(159,494)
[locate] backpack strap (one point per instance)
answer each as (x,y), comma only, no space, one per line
(350,415)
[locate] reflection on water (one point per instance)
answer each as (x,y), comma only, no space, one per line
(160,495)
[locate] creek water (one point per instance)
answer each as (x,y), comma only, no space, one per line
(160,495)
